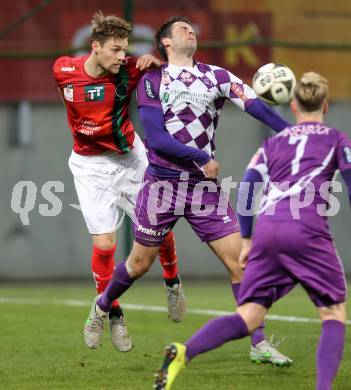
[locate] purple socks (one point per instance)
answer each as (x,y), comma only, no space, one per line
(257,336)
(329,353)
(119,283)
(222,329)
(215,333)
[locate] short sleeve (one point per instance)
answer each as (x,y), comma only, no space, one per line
(61,65)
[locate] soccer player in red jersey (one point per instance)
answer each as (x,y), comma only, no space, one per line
(108,160)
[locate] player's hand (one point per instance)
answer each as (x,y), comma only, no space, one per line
(146,61)
(211,169)
(246,244)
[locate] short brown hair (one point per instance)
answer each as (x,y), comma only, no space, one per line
(105,27)
(165,31)
(311,91)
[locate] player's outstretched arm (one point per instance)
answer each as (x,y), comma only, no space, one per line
(243,96)
(148,61)
(261,111)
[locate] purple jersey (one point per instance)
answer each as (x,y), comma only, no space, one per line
(297,166)
(190,100)
(292,243)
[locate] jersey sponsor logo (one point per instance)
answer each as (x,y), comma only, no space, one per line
(188,96)
(152,232)
(88,127)
(165,97)
(68,68)
(94,92)
(166,231)
(165,78)
(238,91)
(186,77)
(68,92)
(347,154)
(149,89)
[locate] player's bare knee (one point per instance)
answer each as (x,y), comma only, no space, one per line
(105,246)
(142,267)
(236,275)
(138,264)
(104,241)
(252,314)
(235,271)
(251,324)
(136,268)
(141,258)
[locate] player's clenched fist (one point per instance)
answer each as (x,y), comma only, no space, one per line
(211,169)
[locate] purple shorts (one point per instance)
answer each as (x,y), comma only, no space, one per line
(162,201)
(287,253)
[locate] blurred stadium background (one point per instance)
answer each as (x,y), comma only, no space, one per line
(43,236)
(50,241)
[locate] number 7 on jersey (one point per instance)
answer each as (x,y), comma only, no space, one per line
(301,141)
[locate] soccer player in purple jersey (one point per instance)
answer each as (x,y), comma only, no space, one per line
(292,243)
(179,106)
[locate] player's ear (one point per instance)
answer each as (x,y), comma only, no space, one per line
(166,42)
(325,107)
(95,45)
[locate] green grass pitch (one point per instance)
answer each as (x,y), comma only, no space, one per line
(42,344)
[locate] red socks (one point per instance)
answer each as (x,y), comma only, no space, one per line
(102,265)
(168,257)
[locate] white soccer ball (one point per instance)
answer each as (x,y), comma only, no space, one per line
(274,83)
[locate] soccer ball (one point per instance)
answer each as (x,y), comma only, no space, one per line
(274,83)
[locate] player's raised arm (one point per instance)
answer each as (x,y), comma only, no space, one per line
(243,96)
